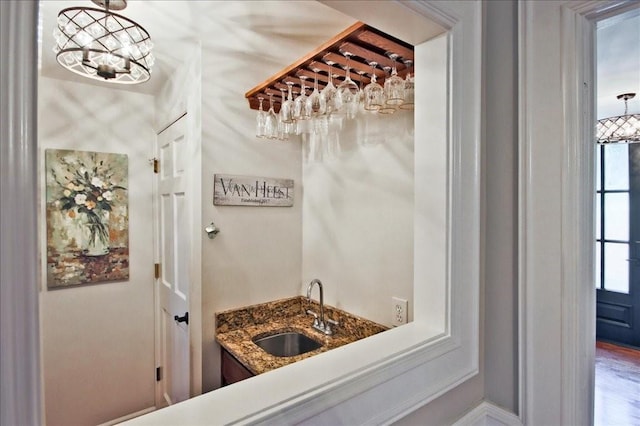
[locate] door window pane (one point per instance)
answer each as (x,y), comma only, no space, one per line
(616,166)
(598,216)
(598,168)
(616,267)
(616,218)
(598,259)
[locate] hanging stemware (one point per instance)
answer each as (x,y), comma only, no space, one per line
(286,110)
(283,131)
(347,94)
(271,122)
(299,105)
(361,73)
(329,92)
(394,85)
(373,92)
(386,108)
(408,88)
(260,119)
(316,103)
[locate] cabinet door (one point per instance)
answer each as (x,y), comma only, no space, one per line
(232,370)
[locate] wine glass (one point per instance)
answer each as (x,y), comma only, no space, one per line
(260,119)
(373,92)
(386,108)
(408,88)
(299,105)
(361,73)
(394,85)
(286,109)
(316,104)
(347,94)
(271,122)
(283,133)
(329,91)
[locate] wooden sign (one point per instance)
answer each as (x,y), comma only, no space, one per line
(232,190)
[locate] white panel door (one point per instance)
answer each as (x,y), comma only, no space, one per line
(173,283)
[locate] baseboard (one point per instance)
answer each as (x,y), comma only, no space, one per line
(128,417)
(487,414)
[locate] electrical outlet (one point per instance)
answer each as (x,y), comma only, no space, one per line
(399,312)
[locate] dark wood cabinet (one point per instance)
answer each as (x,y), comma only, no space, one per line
(232,370)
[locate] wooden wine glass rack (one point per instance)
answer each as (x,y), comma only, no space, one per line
(365,43)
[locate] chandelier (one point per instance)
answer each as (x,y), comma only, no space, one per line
(102,45)
(619,129)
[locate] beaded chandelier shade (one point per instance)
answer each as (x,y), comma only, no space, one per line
(102,45)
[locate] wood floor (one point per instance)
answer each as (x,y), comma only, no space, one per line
(617,387)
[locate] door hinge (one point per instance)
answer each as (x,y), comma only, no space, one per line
(158,374)
(156,165)
(156,270)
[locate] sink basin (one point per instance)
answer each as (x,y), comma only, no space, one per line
(287,344)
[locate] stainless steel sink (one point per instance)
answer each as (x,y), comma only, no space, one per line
(287,344)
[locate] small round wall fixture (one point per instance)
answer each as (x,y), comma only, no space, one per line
(621,128)
(103,45)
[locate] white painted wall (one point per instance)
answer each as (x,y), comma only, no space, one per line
(257,255)
(97,340)
(357,217)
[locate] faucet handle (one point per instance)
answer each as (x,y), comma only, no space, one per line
(327,326)
(315,316)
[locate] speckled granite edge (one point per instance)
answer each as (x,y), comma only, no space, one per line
(257,314)
(236,328)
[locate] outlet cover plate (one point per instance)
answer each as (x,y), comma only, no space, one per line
(399,311)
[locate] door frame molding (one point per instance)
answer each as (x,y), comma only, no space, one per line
(22,396)
(556,298)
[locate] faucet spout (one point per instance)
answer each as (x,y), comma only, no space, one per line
(309,289)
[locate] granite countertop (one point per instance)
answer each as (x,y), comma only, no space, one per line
(236,328)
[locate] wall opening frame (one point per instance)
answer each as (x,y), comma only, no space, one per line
(396,372)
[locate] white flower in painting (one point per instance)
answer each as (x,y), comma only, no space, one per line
(66,192)
(97,182)
(107,195)
(70,159)
(80,199)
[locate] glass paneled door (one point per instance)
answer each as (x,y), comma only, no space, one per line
(618,243)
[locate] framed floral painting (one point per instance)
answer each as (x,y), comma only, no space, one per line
(87,217)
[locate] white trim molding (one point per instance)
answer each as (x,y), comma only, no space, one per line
(556,205)
(385,377)
(488,414)
(20,398)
